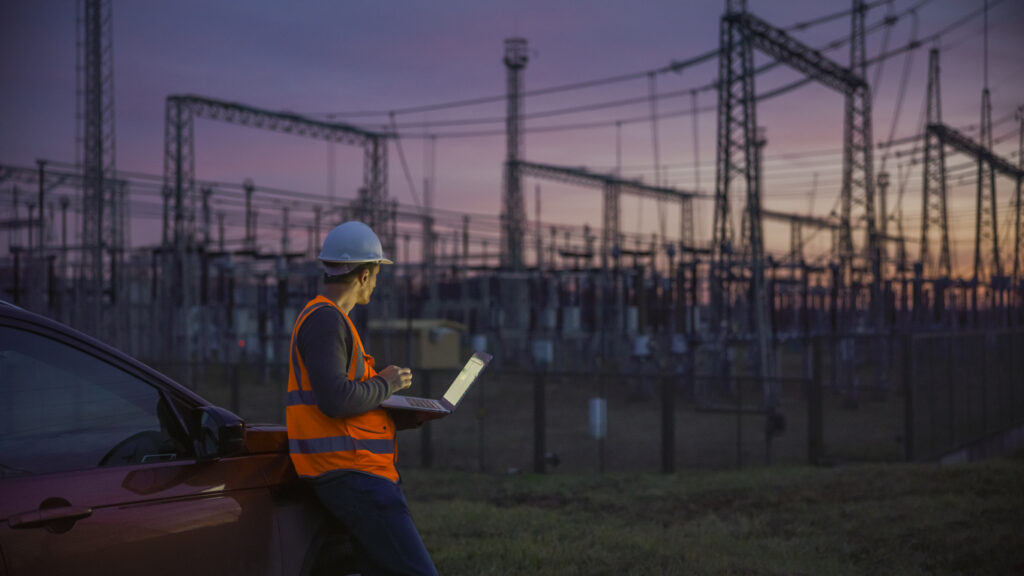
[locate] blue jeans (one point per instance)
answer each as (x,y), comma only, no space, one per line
(374,510)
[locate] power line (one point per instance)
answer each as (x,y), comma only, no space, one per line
(835,44)
(674,66)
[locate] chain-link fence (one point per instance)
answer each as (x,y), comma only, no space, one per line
(962,388)
(856,398)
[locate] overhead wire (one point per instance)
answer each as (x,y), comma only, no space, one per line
(405,165)
(675,66)
(649,118)
(646,118)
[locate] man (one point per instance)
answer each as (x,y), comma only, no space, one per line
(339,437)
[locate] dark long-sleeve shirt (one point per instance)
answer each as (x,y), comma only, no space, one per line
(325,344)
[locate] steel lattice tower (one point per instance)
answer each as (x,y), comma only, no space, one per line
(986,237)
(933,208)
(735,130)
(179,166)
(375,180)
(513,206)
(737,155)
(97,125)
(858,177)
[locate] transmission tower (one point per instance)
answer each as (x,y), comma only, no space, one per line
(986,225)
(986,237)
(737,155)
(933,209)
(858,178)
(734,148)
(179,165)
(513,207)
(99,219)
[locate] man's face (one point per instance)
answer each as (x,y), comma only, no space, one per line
(367,282)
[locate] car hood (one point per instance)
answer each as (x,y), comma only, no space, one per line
(266,438)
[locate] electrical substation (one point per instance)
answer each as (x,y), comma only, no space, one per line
(789,349)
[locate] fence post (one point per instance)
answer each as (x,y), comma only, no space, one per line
(426,445)
(814,407)
(908,397)
(950,387)
(739,422)
(481,416)
(602,393)
(668,424)
(538,421)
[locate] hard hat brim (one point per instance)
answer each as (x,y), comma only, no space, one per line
(342,268)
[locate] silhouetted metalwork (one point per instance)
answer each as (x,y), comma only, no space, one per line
(613,186)
(513,210)
(934,211)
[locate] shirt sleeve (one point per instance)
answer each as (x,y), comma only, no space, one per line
(324,344)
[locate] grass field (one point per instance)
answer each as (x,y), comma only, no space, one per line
(878,519)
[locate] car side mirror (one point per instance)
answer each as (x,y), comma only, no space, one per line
(216,433)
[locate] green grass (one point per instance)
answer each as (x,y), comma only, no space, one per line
(886,519)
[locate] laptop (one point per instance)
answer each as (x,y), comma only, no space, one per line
(455,393)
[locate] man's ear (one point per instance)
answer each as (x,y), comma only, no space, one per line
(364,275)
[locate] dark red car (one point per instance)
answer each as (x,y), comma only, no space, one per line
(108,467)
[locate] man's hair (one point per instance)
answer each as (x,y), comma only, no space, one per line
(350,277)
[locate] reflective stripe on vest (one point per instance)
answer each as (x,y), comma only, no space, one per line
(318,443)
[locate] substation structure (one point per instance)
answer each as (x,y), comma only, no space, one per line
(721,307)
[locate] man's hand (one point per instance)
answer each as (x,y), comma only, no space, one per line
(397,378)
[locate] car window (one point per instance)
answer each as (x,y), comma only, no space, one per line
(62,409)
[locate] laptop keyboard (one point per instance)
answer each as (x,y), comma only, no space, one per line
(421,403)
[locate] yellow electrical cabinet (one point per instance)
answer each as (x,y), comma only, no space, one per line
(435,342)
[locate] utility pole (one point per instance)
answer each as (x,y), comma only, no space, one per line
(250,218)
(253,243)
(465,240)
(536,205)
(206,193)
(220,232)
(284,230)
(883,219)
(165,237)
(1018,233)
(317,213)
(64,201)
(42,202)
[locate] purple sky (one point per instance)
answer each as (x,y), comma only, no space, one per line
(327,56)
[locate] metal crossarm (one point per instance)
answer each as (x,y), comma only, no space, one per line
(952,137)
(585,177)
(613,186)
(777,43)
(286,122)
(801,219)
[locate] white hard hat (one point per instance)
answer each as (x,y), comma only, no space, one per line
(349,245)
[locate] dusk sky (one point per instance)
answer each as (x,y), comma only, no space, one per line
(337,57)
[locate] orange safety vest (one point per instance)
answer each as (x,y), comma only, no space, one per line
(321,444)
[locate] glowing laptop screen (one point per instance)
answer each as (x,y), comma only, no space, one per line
(463,381)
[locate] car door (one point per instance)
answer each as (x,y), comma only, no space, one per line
(97,475)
